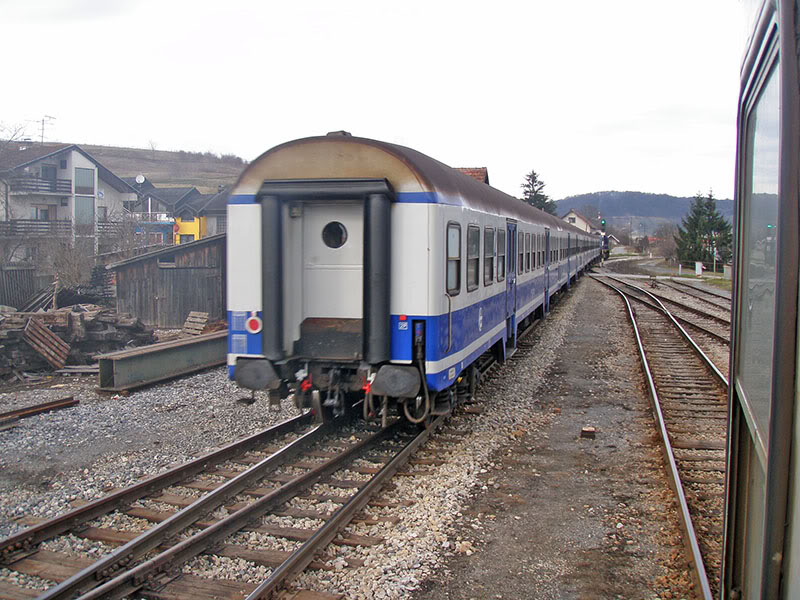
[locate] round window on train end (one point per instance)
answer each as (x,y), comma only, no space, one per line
(334,234)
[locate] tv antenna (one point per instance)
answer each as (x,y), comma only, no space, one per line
(46,120)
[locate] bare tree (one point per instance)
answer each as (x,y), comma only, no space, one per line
(664,243)
(9,135)
(71,261)
(591,212)
(11,249)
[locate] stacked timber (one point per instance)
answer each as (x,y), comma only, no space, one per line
(82,331)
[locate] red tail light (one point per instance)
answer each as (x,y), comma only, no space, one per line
(253,324)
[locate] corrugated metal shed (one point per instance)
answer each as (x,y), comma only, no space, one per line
(161,288)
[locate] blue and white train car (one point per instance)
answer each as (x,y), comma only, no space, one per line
(361,268)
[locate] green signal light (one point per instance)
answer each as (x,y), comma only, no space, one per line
(770,226)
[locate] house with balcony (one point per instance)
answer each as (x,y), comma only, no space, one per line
(58,191)
(153,212)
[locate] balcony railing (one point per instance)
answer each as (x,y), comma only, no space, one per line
(145,217)
(33,227)
(63,228)
(37,185)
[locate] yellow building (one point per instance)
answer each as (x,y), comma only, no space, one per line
(189,228)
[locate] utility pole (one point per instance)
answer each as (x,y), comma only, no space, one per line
(46,119)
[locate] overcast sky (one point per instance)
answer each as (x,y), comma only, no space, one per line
(616,95)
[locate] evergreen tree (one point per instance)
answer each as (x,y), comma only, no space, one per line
(703,231)
(533,193)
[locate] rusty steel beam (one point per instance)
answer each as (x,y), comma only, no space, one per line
(36,409)
(129,369)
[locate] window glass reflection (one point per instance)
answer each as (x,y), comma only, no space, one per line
(759,239)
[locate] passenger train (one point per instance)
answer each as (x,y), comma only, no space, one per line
(762,511)
(359,269)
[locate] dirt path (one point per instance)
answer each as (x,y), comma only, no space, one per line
(569,517)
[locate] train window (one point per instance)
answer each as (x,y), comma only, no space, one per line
(501,254)
(521,252)
(527,251)
(334,234)
(541,250)
(473,256)
(489,252)
(759,238)
(453,258)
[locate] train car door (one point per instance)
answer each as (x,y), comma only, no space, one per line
(569,259)
(511,285)
(546,271)
(333,279)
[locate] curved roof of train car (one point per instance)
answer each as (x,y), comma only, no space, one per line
(414,176)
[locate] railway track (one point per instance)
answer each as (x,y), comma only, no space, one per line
(711,324)
(710,335)
(155,533)
(235,499)
(689,401)
(711,297)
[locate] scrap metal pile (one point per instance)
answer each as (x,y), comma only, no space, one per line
(47,340)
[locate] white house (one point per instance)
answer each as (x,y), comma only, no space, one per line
(58,190)
(573,217)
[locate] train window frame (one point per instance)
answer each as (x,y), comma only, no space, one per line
(454,290)
(476,231)
(527,252)
(489,253)
(540,250)
(501,264)
(521,252)
(745,390)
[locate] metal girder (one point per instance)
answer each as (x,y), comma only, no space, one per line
(130,369)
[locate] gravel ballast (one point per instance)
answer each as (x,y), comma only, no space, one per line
(508,482)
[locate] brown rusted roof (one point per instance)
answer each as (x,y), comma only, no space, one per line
(18,154)
(477,173)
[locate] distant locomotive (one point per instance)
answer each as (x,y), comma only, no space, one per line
(362,269)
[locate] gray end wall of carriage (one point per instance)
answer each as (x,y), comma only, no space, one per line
(163,287)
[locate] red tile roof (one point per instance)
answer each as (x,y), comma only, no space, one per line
(477,173)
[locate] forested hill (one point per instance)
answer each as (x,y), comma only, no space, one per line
(622,208)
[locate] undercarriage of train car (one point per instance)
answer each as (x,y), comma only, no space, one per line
(333,387)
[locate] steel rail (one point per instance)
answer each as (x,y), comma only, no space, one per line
(118,560)
(703,291)
(23,541)
(691,309)
(661,307)
(36,409)
(164,563)
(302,557)
(696,293)
(709,363)
(694,310)
(699,571)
